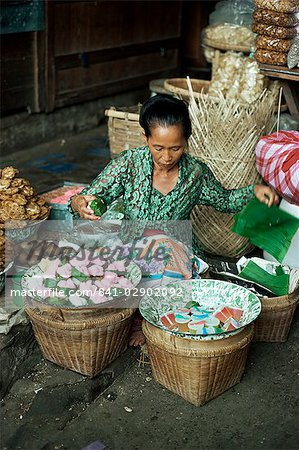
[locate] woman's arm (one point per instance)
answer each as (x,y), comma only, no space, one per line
(212,193)
(109,185)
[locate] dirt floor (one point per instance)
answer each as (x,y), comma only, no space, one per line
(52,408)
(49,408)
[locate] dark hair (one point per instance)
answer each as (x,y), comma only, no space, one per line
(162,110)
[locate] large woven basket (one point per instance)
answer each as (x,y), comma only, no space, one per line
(274,322)
(224,137)
(86,345)
(198,371)
(124,130)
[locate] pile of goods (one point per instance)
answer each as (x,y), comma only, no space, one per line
(237,77)
(19,201)
(62,194)
(277,25)
(200,309)
(228,36)
(195,319)
(81,279)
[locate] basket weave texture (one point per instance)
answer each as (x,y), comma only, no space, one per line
(179,87)
(274,322)
(224,137)
(198,371)
(223,46)
(85,345)
(124,130)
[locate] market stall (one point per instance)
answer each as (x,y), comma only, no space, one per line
(79,282)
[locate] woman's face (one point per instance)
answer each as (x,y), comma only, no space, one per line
(166,144)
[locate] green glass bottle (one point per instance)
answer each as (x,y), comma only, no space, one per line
(98,206)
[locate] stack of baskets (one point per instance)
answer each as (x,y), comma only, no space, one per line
(85,340)
(124,130)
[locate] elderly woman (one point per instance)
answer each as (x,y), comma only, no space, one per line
(161,181)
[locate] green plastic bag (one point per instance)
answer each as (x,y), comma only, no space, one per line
(277,283)
(270,229)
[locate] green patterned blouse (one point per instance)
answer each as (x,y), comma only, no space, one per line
(130,175)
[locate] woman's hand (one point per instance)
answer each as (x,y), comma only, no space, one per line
(79,204)
(266,195)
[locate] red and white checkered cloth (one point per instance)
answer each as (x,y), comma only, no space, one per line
(277,160)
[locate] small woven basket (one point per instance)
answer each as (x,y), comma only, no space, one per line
(178,86)
(198,371)
(86,343)
(223,46)
(124,130)
(274,322)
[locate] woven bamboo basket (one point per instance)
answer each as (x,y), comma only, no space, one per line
(222,46)
(274,322)
(179,87)
(198,371)
(86,346)
(224,136)
(124,131)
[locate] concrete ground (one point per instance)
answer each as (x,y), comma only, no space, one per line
(124,408)
(50,408)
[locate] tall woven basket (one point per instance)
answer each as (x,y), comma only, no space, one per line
(274,322)
(224,137)
(198,371)
(86,342)
(124,131)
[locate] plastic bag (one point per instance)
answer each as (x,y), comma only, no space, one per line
(293,55)
(285,6)
(233,11)
(270,229)
(273,276)
(277,160)
(288,122)
(227,34)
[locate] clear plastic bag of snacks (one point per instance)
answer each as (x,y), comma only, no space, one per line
(226,35)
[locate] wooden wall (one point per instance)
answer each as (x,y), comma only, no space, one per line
(101,48)
(17,71)
(196,17)
(91,49)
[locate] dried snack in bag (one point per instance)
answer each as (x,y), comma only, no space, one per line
(269,57)
(279,19)
(227,34)
(285,6)
(273,44)
(274,31)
